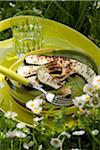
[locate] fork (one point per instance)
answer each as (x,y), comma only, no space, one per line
(52,98)
(61,101)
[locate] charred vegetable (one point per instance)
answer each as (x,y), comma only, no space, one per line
(27,71)
(54,72)
(37,60)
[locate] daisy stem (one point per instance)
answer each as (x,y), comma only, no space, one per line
(12,144)
(20,144)
(61,147)
(33,131)
(94,138)
(79,142)
(33,145)
(59,135)
(93,144)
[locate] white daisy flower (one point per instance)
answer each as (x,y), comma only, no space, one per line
(38,101)
(95,132)
(34,103)
(40,147)
(10,114)
(11,134)
(21,125)
(95,102)
(26,146)
(77,101)
(15,133)
(89,89)
(37,110)
(81,100)
(98,5)
(30,143)
(37,119)
(56,142)
(30,104)
(81,132)
(20,134)
(96,82)
(12,4)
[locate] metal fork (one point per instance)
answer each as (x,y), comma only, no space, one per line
(61,101)
(52,98)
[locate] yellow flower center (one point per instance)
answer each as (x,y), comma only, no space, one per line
(95,101)
(56,141)
(89,89)
(98,80)
(32,105)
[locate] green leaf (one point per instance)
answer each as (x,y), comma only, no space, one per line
(76,84)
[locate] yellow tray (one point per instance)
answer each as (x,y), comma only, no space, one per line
(56,36)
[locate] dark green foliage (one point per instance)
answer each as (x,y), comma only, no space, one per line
(81,15)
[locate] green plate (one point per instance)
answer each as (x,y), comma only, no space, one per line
(56,36)
(22,95)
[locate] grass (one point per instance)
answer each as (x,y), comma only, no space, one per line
(80,15)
